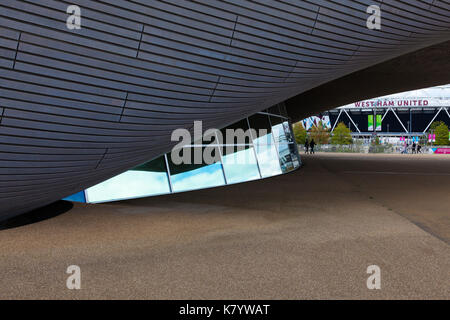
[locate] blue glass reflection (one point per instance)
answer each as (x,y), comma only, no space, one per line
(77,197)
(240,166)
(204,177)
(267,154)
(130,184)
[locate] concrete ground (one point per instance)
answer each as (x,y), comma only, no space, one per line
(305,235)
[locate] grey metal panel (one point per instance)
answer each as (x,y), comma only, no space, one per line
(79,106)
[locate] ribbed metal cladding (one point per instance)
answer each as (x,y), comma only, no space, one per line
(79,106)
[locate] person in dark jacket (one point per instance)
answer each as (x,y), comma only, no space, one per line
(311,146)
(306,145)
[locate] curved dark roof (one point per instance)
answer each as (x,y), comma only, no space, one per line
(79,106)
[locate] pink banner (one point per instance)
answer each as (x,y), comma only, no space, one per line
(442,151)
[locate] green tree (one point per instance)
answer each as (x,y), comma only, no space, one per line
(299,133)
(434,125)
(441,132)
(341,135)
(320,134)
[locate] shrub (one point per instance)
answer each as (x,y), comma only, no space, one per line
(299,133)
(441,132)
(341,135)
(320,134)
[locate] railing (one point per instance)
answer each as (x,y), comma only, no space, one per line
(350,148)
(365,148)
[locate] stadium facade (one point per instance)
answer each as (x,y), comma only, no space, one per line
(81,105)
(406,114)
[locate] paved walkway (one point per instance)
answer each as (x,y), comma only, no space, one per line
(306,235)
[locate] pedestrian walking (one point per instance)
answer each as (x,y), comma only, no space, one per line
(306,145)
(311,146)
(405,148)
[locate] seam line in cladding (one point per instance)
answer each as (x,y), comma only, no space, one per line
(315,20)
(234,29)
(17,50)
(214,91)
(140,40)
(101,159)
(123,106)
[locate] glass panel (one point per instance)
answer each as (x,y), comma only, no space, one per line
(157,165)
(294,155)
(283,146)
(278,130)
(292,144)
(268,160)
(260,121)
(146,180)
(264,145)
(193,176)
(288,132)
(239,164)
(77,197)
(241,126)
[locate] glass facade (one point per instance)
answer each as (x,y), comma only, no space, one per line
(240,164)
(185,177)
(264,144)
(284,142)
(236,155)
(145,180)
